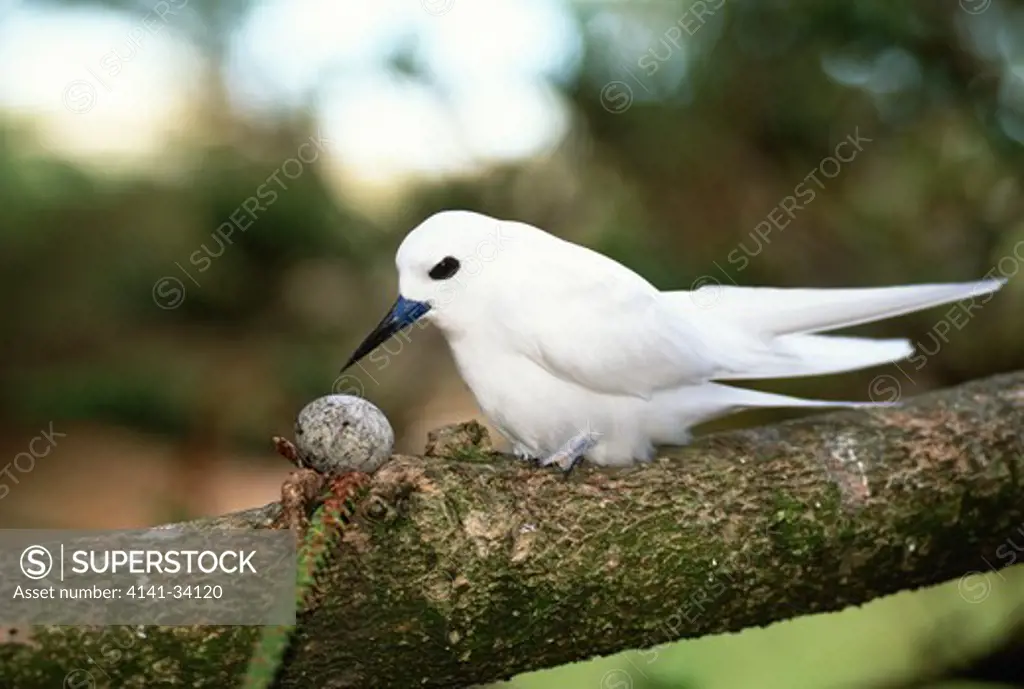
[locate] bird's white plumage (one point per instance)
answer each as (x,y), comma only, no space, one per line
(555,340)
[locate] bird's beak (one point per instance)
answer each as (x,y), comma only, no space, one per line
(404,313)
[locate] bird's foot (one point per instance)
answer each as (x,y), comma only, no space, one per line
(572,452)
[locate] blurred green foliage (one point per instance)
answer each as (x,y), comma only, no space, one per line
(677,185)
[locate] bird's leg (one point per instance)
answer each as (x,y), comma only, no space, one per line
(572,452)
(521,452)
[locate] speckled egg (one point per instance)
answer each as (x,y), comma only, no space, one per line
(339,433)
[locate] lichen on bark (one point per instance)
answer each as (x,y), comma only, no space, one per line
(464,572)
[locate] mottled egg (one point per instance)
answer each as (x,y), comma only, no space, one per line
(339,433)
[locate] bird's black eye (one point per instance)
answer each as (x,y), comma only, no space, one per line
(445,268)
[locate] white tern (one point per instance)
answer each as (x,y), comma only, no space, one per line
(570,354)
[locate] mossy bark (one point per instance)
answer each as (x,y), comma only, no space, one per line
(460,573)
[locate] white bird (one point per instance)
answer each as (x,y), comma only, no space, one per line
(570,354)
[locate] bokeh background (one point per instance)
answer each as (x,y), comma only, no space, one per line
(200,201)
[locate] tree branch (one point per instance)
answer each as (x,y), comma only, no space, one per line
(460,573)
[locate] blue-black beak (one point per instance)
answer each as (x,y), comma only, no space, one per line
(404,313)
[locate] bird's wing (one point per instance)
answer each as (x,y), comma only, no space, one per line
(590,320)
(769,331)
(595,323)
(772,311)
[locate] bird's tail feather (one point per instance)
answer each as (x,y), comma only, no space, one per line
(736,399)
(675,411)
(814,355)
(770,330)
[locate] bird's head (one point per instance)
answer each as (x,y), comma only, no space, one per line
(447,267)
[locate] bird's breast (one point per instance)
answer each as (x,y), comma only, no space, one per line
(516,394)
(498,377)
